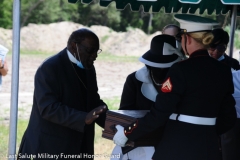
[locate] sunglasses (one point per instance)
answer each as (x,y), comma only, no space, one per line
(179,35)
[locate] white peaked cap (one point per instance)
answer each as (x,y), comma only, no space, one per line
(193,23)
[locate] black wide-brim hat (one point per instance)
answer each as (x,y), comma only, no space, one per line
(164,52)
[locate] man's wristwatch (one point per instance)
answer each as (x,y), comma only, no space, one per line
(2,66)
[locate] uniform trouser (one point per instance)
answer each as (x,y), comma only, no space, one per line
(231,143)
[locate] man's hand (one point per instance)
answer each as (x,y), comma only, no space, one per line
(119,138)
(94,114)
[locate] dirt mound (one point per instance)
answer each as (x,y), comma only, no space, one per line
(53,37)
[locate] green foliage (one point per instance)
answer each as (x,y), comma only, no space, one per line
(237,40)
(68,11)
(130,28)
(94,14)
(130,19)
(227,29)
(44,12)
(6,13)
(49,11)
(236,36)
(161,19)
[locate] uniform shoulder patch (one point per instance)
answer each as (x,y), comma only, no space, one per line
(167,86)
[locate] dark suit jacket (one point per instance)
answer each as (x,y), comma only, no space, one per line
(202,87)
(233,63)
(60,105)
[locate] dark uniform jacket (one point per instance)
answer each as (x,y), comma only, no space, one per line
(199,86)
(60,105)
(138,92)
(233,63)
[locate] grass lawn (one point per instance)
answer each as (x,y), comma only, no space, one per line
(4,136)
(106,57)
(103,146)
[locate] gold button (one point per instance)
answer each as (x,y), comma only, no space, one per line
(125,131)
(134,124)
(129,128)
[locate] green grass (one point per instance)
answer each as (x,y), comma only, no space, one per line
(34,53)
(102,146)
(114,58)
(4,136)
(107,57)
(4,130)
(113,103)
(104,38)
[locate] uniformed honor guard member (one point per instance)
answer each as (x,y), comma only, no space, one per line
(195,101)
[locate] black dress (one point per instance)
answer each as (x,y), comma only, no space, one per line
(138,92)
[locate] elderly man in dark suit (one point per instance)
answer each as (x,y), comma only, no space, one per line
(66,103)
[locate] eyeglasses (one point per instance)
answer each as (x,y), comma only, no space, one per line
(219,48)
(91,51)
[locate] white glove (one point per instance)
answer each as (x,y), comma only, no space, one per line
(119,138)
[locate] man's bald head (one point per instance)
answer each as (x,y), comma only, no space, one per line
(171,30)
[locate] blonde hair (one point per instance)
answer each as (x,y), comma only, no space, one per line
(204,38)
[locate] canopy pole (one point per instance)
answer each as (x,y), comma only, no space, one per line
(15,80)
(232,30)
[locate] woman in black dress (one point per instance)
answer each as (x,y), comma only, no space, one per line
(141,87)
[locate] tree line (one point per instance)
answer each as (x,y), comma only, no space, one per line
(50,11)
